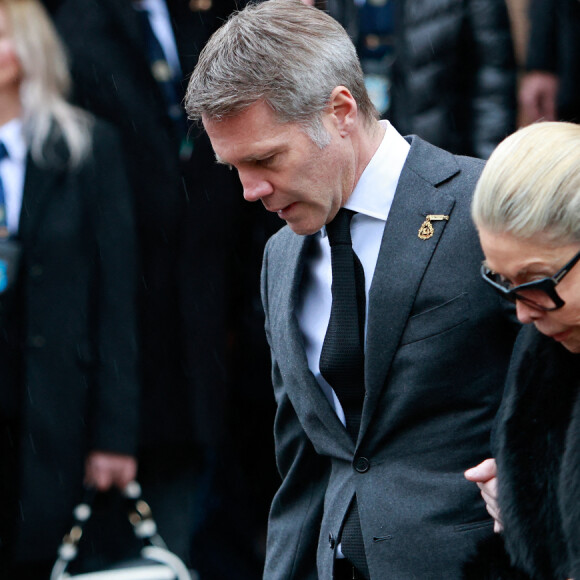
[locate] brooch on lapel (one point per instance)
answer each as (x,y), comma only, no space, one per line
(426,230)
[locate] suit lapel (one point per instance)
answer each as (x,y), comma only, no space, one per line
(304,390)
(402,260)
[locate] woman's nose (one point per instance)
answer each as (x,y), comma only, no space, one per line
(526,313)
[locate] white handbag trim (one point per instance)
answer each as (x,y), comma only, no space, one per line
(170,567)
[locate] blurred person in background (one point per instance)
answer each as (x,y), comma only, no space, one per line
(442,69)
(550,90)
(129,64)
(527,210)
(68,349)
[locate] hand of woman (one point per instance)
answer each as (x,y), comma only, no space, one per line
(104,470)
(485,475)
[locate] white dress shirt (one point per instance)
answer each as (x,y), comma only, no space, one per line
(371,199)
(12,171)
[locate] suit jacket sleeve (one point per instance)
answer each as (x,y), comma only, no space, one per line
(116,401)
(296,513)
(494,90)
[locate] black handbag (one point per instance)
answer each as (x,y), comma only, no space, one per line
(155,561)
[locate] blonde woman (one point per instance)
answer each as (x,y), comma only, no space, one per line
(69,390)
(527,210)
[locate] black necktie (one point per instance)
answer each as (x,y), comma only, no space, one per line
(342,356)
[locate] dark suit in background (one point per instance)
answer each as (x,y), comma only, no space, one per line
(68,345)
(184,211)
(554,47)
(454,74)
(438,344)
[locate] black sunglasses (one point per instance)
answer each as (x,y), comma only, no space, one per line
(539,294)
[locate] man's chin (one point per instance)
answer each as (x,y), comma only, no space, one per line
(301,228)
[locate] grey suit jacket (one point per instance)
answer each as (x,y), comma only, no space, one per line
(438,343)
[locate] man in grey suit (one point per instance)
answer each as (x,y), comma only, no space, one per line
(375,491)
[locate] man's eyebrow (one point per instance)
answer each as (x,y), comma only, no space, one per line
(252,158)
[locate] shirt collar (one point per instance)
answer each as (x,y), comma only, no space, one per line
(11,136)
(383,171)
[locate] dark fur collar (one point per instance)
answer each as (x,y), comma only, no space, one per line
(538,454)
(534,420)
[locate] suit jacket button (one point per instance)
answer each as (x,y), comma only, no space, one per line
(35,271)
(362,464)
(331,541)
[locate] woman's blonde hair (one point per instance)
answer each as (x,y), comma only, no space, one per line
(531,184)
(45,84)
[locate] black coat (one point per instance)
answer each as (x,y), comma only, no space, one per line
(454,76)
(538,458)
(71,338)
(454,73)
(184,211)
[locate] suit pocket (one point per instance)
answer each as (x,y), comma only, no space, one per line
(437,319)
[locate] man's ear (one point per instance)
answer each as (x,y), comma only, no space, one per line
(343,109)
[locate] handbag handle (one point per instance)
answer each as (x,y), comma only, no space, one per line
(144,527)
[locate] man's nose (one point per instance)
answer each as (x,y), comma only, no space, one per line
(255,187)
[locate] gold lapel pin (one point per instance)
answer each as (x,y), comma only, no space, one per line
(426,230)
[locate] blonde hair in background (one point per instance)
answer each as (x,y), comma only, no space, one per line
(45,84)
(531,184)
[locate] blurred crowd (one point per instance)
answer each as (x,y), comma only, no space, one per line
(131,329)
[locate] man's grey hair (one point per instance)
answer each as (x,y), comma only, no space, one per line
(281,52)
(531,185)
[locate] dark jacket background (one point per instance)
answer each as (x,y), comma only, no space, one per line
(539,458)
(184,212)
(554,46)
(454,76)
(70,342)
